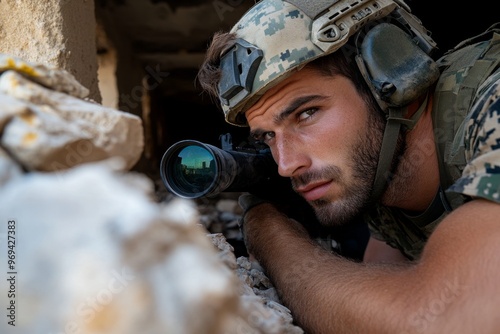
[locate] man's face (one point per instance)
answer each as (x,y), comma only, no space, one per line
(321,135)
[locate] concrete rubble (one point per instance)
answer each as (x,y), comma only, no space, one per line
(50,126)
(97,250)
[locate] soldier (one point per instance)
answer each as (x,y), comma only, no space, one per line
(365,121)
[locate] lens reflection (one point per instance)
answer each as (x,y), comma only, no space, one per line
(195,168)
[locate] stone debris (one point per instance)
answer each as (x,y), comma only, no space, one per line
(48,130)
(8,168)
(259,299)
(98,249)
(97,255)
(54,78)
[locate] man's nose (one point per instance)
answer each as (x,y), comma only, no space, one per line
(289,157)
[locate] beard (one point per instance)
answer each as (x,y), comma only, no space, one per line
(356,195)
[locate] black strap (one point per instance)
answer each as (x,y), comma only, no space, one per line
(389,143)
(435,210)
(395,121)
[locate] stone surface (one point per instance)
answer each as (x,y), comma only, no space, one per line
(51,77)
(261,309)
(8,168)
(49,130)
(96,254)
(56,33)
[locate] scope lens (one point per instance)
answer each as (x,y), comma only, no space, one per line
(193,170)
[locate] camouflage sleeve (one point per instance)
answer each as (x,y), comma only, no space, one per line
(374,232)
(394,229)
(481,175)
(379,220)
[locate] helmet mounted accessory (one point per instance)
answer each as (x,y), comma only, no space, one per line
(239,65)
(392,50)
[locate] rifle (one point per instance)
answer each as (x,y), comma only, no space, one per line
(192,169)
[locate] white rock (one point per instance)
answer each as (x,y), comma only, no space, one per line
(57,79)
(60,131)
(260,303)
(95,255)
(11,107)
(8,168)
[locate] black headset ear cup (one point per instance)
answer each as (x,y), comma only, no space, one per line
(397,69)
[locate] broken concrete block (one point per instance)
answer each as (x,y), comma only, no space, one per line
(60,131)
(53,78)
(95,255)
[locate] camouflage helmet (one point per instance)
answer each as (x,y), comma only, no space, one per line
(258,59)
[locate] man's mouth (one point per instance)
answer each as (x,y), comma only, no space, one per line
(314,191)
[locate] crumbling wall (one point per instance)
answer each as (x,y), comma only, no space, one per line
(60,33)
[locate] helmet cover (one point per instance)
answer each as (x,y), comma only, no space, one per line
(275,38)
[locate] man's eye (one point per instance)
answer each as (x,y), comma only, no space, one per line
(264,137)
(267,136)
(307,114)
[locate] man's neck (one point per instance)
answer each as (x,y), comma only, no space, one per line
(416,179)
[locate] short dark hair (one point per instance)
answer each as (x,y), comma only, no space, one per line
(209,73)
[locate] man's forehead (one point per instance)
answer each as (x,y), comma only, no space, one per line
(281,94)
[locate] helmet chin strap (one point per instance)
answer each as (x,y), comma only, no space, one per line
(395,122)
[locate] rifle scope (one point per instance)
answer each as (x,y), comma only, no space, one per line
(192,169)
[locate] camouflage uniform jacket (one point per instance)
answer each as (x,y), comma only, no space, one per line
(466,116)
